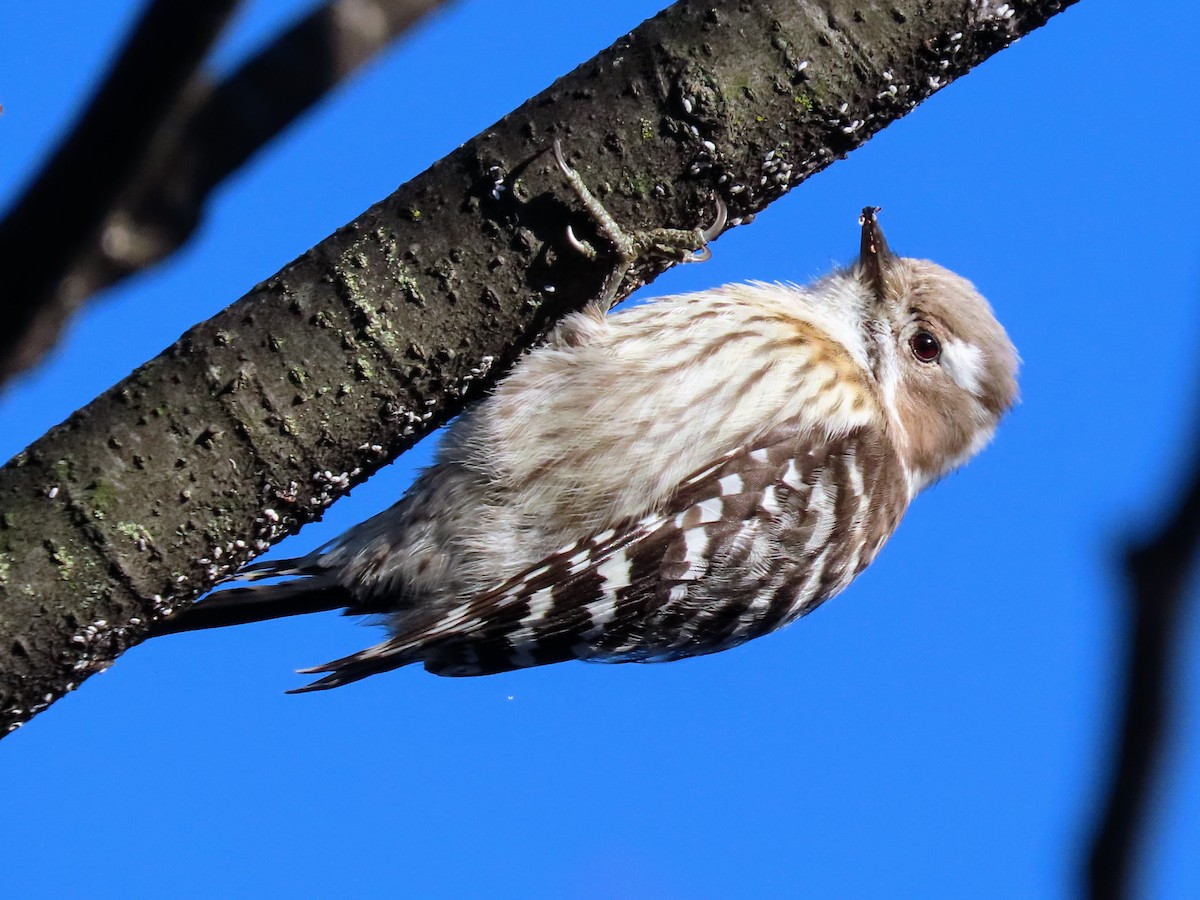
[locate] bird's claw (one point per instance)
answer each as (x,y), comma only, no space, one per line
(677,244)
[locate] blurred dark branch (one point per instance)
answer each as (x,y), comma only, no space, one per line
(190,137)
(277,85)
(1160,571)
(232,121)
(62,210)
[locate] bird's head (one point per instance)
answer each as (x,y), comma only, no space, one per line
(945,368)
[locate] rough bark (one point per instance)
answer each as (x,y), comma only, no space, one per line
(253,422)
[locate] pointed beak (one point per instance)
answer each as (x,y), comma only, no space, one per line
(874,256)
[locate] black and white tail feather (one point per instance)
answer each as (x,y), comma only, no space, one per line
(317,592)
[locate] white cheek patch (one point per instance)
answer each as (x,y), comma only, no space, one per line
(964,363)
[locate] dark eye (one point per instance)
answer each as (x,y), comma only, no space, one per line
(925,347)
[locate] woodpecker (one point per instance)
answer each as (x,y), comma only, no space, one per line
(670,480)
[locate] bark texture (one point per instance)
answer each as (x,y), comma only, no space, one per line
(253,422)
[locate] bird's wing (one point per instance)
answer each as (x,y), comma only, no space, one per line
(745,545)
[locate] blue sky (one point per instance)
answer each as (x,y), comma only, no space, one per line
(941,729)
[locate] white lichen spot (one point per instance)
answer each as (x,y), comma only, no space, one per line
(983,12)
(498,186)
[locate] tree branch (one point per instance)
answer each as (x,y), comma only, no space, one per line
(194,144)
(253,422)
(62,210)
(1160,571)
